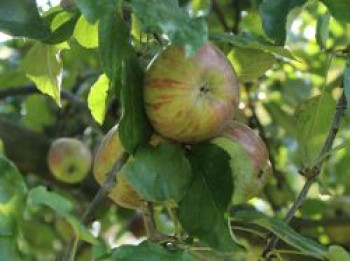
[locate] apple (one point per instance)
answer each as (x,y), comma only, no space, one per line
(338,207)
(69,160)
(249,160)
(190,99)
(108,152)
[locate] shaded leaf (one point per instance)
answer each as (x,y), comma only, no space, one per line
(337,253)
(43,66)
(159,173)
(249,41)
(37,113)
(8,249)
(97,98)
(313,118)
(62,206)
(250,64)
(322,30)
(94,10)
(339,9)
(62,24)
(347,80)
(274,17)
(284,232)
(134,127)
(147,251)
(167,17)
(21,18)
(114,46)
(208,196)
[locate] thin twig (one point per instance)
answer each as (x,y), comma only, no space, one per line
(106,187)
(220,14)
(311,174)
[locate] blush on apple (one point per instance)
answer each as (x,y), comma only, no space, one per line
(190,99)
(249,161)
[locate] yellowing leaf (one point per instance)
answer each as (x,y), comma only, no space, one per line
(97,98)
(85,33)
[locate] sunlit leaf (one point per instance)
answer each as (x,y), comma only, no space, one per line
(43,66)
(97,98)
(85,33)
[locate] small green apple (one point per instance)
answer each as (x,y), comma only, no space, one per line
(249,160)
(190,99)
(69,160)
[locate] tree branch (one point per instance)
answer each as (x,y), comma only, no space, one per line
(102,194)
(28,150)
(220,14)
(311,174)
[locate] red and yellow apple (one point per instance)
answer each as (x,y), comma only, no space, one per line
(249,160)
(190,99)
(69,160)
(108,152)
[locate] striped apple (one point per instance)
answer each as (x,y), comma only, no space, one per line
(190,99)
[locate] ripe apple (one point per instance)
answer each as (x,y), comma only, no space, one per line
(338,207)
(249,160)
(190,99)
(69,160)
(108,152)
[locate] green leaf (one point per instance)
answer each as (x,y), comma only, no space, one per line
(274,17)
(250,64)
(97,98)
(249,41)
(94,10)
(12,197)
(21,18)
(147,251)
(37,113)
(322,30)
(86,34)
(44,67)
(337,253)
(13,78)
(62,24)
(347,80)
(284,232)
(208,196)
(8,249)
(114,46)
(339,9)
(134,127)
(62,206)
(41,196)
(159,173)
(313,118)
(167,17)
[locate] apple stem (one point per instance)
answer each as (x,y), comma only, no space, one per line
(152,233)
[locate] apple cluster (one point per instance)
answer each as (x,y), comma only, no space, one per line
(190,100)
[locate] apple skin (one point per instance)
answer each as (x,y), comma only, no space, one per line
(69,160)
(338,207)
(190,99)
(108,152)
(249,179)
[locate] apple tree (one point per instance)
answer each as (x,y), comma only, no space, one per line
(177,130)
